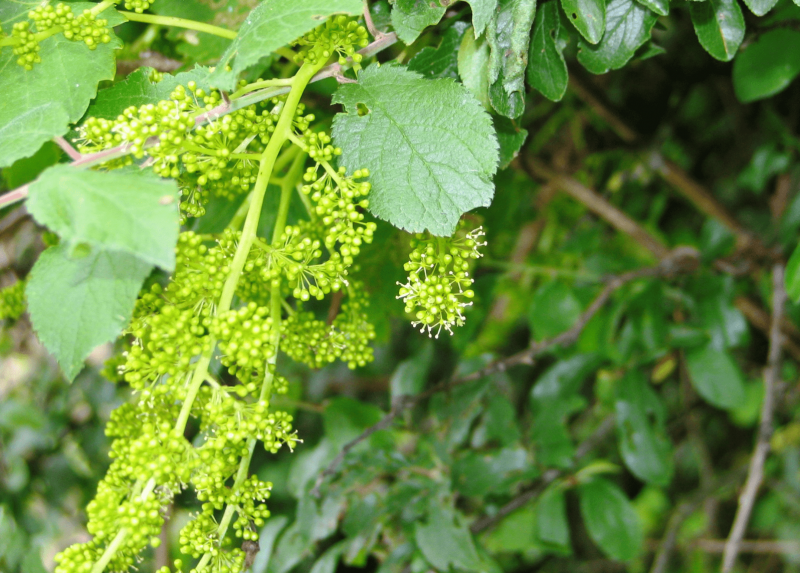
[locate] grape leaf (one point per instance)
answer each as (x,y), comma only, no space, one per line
(716,377)
(640,427)
(38,104)
(411,17)
(482,11)
(443,543)
(719,25)
(131,212)
(610,518)
(628,26)
(760,7)
(588,17)
(429,146)
(547,69)
(272,24)
(441,62)
(508,34)
(138,89)
(473,67)
(76,303)
(767,66)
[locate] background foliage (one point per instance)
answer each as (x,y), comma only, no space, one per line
(598,411)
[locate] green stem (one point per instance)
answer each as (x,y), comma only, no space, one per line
(180,23)
(98,9)
(261,84)
(110,551)
(287,186)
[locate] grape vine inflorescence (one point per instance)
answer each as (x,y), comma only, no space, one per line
(234,299)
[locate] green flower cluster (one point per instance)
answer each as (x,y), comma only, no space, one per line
(137,6)
(437,290)
(12,301)
(340,35)
(46,20)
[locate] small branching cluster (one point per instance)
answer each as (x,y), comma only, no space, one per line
(437,289)
(12,301)
(233,301)
(45,21)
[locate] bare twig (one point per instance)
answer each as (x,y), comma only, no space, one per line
(756,472)
(750,546)
(484,523)
(681,260)
(90,159)
(377,34)
(67,148)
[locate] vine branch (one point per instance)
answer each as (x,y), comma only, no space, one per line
(755,475)
(681,260)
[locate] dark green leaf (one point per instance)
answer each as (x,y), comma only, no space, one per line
(508,34)
(716,240)
(547,69)
(660,7)
(445,543)
(588,17)
(345,418)
(715,376)
(760,7)
(40,103)
(271,25)
(441,62)
(409,377)
(443,150)
(328,561)
(553,310)
(719,25)
(133,212)
(473,67)
(27,169)
(552,526)
(793,275)
(643,442)
(767,66)
(628,26)
(411,17)
(77,303)
(477,474)
(510,137)
(610,519)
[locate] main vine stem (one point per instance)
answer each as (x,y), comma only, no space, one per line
(283,130)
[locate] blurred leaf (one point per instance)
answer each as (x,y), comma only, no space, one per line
(748,413)
(345,418)
(719,25)
(515,533)
(409,376)
(588,17)
(445,543)
(328,561)
(760,7)
(610,519)
(628,26)
(473,67)
(793,275)
(767,160)
(478,474)
(643,441)
(411,17)
(767,66)
(266,541)
(441,62)
(552,526)
(547,69)
(554,309)
(716,377)
(681,336)
(716,240)
(27,169)
(510,137)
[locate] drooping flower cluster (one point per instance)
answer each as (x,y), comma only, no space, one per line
(437,290)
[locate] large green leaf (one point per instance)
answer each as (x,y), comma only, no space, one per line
(640,427)
(39,104)
(547,69)
(554,309)
(588,17)
(610,519)
(77,301)
(767,66)
(628,26)
(482,11)
(138,89)
(411,17)
(716,377)
(445,543)
(271,25)
(719,25)
(508,35)
(429,146)
(130,212)
(473,67)
(760,7)
(440,62)
(552,526)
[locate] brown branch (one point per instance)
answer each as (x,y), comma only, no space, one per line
(487,522)
(681,260)
(756,472)
(67,148)
(91,159)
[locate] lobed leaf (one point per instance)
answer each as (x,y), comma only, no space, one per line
(411,17)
